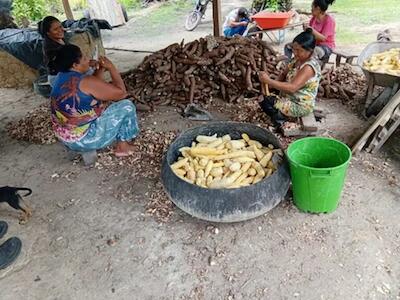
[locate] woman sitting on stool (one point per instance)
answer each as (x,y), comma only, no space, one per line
(323,27)
(80,119)
(298,83)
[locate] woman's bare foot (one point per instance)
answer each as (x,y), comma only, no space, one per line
(124,149)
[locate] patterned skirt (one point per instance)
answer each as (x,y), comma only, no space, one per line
(118,122)
(293,109)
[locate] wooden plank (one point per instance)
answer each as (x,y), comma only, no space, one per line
(309,123)
(298,132)
(381,120)
(67,10)
(109,10)
(295,129)
(217,17)
(128,50)
(345,55)
(375,140)
(386,133)
(348,57)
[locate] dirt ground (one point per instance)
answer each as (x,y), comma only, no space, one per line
(85,241)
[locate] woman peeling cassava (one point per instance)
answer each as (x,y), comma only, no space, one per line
(297,84)
(79,116)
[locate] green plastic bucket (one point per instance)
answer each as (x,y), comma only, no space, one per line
(318,168)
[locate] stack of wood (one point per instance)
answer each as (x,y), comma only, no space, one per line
(342,83)
(202,69)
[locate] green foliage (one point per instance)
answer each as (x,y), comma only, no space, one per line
(279,5)
(54,6)
(78,4)
(168,13)
(130,3)
(285,5)
(33,10)
(272,4)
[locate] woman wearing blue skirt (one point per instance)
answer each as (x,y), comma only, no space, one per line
(89,113)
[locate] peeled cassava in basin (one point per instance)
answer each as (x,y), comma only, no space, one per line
(225,205)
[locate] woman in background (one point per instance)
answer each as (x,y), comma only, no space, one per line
(51,30)
(323,28)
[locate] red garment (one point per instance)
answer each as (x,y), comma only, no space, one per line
(327,27)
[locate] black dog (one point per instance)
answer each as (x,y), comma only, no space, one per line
(10,195)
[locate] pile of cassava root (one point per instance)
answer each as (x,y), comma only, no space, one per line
(34,127)
(224,68)
(342,83)
(202,69)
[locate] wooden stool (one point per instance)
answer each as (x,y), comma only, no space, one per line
(89,157)
(339,55)
(348,58)
(307,126)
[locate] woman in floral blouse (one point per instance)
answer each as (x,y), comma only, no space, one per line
(89,113)
(298,84)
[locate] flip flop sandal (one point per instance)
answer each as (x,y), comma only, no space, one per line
(9,251)
(123,154)
(3,228)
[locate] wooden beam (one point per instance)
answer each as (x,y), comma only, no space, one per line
(67,10)
(381,120)
(217,17)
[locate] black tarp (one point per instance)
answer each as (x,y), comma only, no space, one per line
(27,44)
(24,44)
(5,5)
(92,25)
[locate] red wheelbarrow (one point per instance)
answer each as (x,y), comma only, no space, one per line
(267,22)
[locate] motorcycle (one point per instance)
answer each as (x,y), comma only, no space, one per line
(194,17)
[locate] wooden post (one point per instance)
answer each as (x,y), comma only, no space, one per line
(217,17)
(67,9)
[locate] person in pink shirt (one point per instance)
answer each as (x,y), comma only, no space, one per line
(323,27)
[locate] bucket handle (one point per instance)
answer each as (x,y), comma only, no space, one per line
(320,173)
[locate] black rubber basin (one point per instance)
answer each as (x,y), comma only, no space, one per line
(225,205)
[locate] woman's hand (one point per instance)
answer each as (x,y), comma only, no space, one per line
(94,64)
(306,25)
(264,78)
(106,63)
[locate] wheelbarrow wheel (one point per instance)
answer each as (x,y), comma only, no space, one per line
(255,29)
(192,20)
